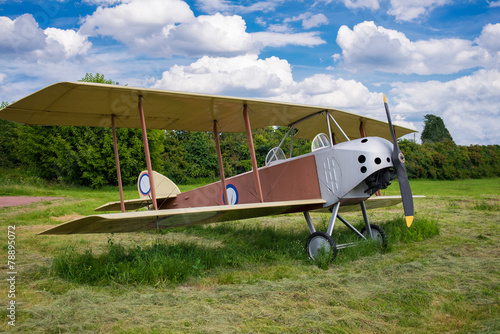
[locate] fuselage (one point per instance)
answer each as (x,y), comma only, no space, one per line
(333,173)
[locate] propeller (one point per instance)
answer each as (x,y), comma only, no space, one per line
(398,159)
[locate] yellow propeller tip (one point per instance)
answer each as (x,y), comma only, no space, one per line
(409,220)
(385,100)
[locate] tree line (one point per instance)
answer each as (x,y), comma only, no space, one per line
(84,155)
(445,160)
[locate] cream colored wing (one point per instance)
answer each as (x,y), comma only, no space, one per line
(91,104)
(151,220)
(375,202)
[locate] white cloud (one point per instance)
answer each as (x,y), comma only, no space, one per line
(309,20)
(279,28)
(214,6)
(493,3)
(375,48)
(281,39)
(314,21)
(165,28)
(71,42)
(469,106)
(105,2)
(24,39)
(363,4)
(402,10)
(490,37)
(223,6)
(327,90)
(214,35)
(21,35)
(244,74)
(405,10)
(133,21)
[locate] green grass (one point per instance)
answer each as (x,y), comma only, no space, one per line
(439,276)
(471,188)
(167,264)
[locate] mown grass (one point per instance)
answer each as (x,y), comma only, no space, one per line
(168,264)
(441,275)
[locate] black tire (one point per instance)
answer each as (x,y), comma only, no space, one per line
(378,234)
(317,240)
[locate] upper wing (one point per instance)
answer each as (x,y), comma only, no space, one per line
(151,220)
(91,104)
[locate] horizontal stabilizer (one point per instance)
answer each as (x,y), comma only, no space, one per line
(132,204)
(159,219)
(375,202)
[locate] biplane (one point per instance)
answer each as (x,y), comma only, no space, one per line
(351,158)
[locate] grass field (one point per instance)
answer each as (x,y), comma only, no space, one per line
(253,276)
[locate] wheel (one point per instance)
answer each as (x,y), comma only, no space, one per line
(378,234)
(318,240)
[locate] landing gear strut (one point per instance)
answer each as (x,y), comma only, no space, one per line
(319,240)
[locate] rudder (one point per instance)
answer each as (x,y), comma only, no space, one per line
(163,185)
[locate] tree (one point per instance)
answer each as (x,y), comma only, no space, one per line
(8,141)
(92,150)
(84,155)
(434,130)
(98,78)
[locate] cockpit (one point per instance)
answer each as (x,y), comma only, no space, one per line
(320,141)
(275,154)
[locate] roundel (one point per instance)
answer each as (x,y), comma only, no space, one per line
(232,194)
(144,185)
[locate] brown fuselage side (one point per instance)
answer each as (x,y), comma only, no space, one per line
(293,179)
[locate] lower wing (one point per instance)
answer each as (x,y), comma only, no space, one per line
(375,202)
(151,220)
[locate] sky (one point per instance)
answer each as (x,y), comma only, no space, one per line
(438,57)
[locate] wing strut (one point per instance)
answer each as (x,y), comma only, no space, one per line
(117,160)
(252,153)
(221,165)
(362,131)
(146,152)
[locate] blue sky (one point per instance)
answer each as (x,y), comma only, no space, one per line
(427,56)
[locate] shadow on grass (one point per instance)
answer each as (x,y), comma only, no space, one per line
(243,245)
(164,264)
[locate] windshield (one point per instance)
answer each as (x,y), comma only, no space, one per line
(321,140)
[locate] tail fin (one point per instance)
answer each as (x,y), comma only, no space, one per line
(163,185)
